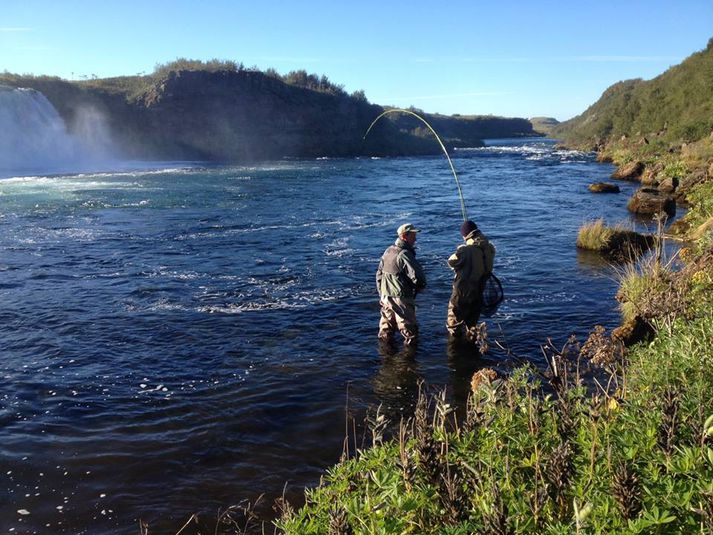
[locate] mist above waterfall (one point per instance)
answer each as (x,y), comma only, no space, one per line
(35,139)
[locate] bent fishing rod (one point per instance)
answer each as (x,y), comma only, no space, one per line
(453,170)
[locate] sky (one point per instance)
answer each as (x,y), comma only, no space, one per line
(508,58)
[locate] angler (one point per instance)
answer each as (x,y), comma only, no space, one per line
(472,263)
(398,279)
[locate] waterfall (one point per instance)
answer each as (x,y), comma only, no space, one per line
(34,138)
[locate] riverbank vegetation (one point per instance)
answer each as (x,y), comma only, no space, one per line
(542,452)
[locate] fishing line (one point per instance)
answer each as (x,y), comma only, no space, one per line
(455,175)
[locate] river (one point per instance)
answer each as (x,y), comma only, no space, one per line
(175,340)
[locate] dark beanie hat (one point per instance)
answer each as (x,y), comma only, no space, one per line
(467,227)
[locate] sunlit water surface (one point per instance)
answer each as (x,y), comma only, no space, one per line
(177,340)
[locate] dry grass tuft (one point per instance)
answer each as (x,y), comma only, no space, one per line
(594,236)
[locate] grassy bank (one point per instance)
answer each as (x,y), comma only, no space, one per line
(542,453)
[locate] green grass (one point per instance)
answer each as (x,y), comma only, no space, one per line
(618,242)
(632,459)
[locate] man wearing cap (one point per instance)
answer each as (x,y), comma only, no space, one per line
(398,279)
(471,262)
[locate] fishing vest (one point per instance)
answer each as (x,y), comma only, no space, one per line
(399,273)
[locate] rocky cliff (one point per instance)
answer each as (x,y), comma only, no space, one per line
(241,115)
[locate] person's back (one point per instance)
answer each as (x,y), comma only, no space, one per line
(399,273)
(470,263)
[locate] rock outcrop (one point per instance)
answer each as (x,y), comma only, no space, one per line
(650,202)
(245,115)
(631,171)
(632,332)
(668,185)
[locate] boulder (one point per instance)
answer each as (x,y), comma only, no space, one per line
(668,185)
(651,176)
(649,201)
(625,245)
(632,332)
(603,187)
(629,171)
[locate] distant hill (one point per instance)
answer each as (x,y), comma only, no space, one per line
(464,130)
(219,111)
(676,106)
(544,125)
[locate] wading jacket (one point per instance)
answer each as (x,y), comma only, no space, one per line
(400,274)
(470,262)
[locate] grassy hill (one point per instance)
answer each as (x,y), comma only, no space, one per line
(663,127)
(676,106)
(544,125)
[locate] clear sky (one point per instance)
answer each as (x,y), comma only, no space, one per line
(502,57)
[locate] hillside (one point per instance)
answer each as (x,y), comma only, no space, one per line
(465,130)
(222,112)
(676,106)
(659,132)
(544,125)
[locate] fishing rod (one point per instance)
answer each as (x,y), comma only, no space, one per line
(455,175)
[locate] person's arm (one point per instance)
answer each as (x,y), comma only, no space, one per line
(455,261)
(414,271)
(490,257)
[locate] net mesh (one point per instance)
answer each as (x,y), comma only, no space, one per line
(492,295)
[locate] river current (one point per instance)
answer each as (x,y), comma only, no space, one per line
(176,340)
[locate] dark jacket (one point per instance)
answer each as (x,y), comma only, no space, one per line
(399,273)
(470,263)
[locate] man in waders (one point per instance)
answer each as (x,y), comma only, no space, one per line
(471,262)
(398,279)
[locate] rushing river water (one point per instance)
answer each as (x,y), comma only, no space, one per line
(174,341)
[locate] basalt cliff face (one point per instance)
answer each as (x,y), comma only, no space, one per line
(241,116)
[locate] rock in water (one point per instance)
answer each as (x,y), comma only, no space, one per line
(603,187)
(649,201)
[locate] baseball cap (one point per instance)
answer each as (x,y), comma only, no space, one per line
(405,228)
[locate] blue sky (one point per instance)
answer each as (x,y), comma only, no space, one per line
(510,58)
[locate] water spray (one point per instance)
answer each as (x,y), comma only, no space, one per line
(455,175)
